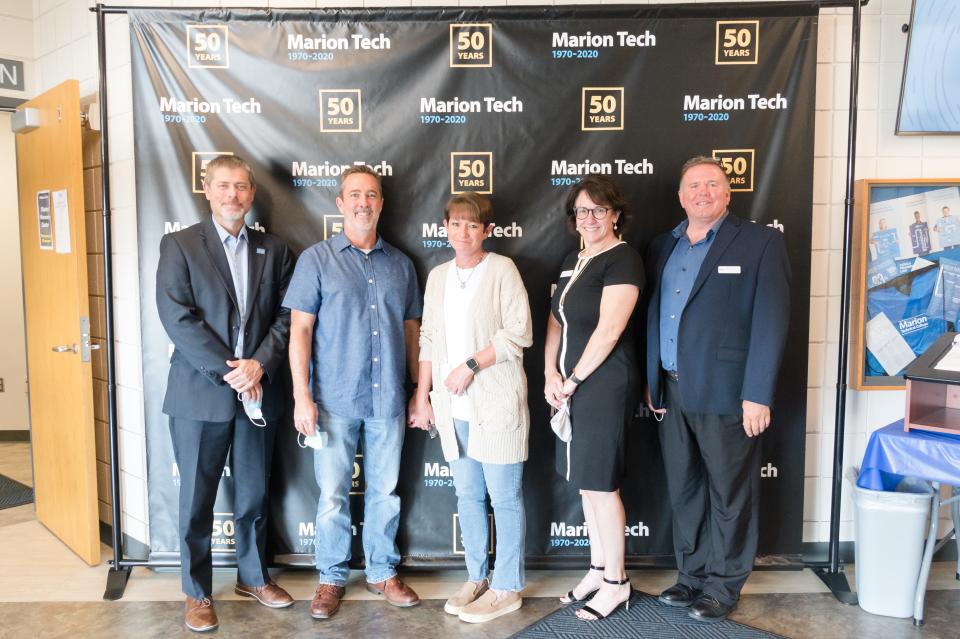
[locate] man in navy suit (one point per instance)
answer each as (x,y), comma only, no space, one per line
(219,290)
(716,328)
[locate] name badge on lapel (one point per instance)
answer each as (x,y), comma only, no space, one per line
(263,251)
(728,270)
(566,273)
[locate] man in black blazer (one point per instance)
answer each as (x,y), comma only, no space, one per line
(716,329)
(219,290)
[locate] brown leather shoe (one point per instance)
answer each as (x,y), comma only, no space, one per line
(326,601)
(395,592)
(270,595)
(200,615)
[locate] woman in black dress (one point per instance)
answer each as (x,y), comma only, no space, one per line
(591,364)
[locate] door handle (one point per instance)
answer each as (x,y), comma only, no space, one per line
(65,348)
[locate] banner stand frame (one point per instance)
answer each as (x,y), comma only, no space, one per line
(829,571)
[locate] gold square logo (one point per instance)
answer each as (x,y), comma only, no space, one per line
(601,109)
(341,111)
(357,482)
(458,548)
(208,46)
(471,171)
(332,225)
(738,164)
(200,160)
(471,45)
(738,41)
(223,539)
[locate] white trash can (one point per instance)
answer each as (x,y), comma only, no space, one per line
(890,529)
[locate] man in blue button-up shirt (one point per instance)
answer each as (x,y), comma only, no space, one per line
(355,317)
(716,329)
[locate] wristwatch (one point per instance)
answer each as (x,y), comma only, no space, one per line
(473,365)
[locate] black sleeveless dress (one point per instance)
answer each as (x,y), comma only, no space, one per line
(603,404)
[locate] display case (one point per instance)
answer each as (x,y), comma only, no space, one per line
(905,275)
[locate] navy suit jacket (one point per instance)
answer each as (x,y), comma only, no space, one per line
(734,325)
(198,308)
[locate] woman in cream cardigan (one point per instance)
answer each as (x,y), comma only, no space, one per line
(476,323)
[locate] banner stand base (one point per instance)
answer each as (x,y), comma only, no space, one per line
(116,583)
(837,583)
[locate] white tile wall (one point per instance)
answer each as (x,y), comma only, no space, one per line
(63,45)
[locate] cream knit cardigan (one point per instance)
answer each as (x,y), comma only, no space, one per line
(498,313)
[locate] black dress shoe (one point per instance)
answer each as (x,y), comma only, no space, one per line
(707,608)
(679,595)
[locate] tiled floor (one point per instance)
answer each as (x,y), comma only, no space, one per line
(46,591)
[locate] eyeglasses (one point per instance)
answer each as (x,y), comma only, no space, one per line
(598,212)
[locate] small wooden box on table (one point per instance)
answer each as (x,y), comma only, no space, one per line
(933,395)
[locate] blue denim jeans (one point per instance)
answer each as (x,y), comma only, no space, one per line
(504,482)
(333,468)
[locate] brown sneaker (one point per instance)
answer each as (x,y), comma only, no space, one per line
(200,615)
(326,601)
(270,595)
(490,606)
(468,593)
(395,592)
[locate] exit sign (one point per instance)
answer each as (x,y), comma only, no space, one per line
(11,74)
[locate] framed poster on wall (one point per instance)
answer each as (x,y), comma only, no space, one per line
(905,275)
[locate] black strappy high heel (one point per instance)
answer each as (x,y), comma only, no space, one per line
(625,603)
(572,598)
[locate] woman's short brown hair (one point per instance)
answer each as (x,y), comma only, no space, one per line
(602,190)
(481,210)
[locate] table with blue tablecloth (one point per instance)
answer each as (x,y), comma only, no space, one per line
(893,454)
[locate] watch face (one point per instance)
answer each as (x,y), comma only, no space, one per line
(472,364)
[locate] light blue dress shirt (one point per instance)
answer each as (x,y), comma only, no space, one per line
(237,258)
(679,275)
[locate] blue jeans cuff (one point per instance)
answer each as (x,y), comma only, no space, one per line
(377,578)
(329,581)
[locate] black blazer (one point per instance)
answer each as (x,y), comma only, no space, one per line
(198,308)
(734,325)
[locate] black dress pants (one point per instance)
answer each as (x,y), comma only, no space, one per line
(713,478)
(200,449)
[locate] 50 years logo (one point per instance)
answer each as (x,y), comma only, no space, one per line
(601,109)
(471,45)
(738,165)
(738,41)
(340,111)
(471,171)
(208,46)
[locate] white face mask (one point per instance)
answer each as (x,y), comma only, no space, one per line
(253,410)
(317,441)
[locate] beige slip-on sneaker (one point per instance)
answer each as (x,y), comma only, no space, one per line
(490,606)
(468,593)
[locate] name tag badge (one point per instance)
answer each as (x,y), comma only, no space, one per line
(566,273)
(261,251)
(728,270)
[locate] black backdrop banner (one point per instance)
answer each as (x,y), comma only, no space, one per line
(517,103)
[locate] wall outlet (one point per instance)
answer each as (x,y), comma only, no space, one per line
(1,385)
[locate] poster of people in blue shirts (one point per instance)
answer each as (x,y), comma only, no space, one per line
(947,227)
(912,221)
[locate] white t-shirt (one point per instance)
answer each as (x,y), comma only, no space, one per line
(456,300)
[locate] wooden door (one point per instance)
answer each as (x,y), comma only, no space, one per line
(53,244)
